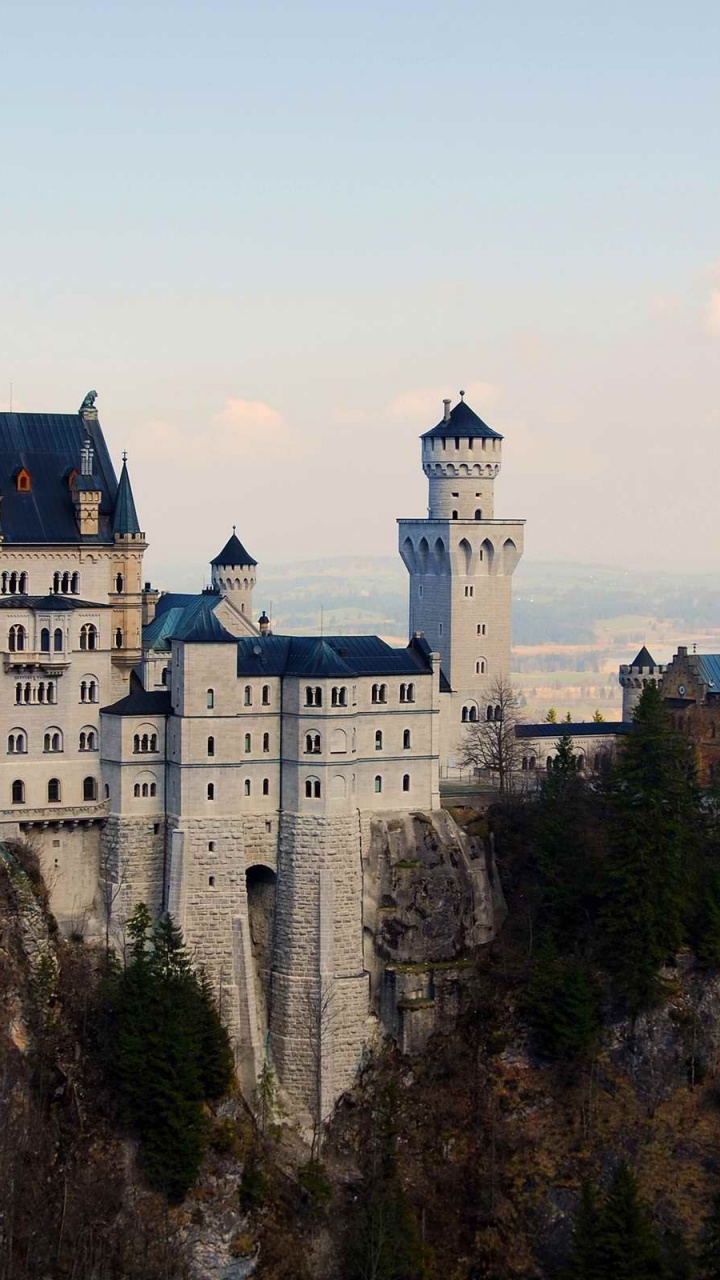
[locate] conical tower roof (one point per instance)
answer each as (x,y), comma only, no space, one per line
(643,659)
(233,553)
(125,516)
(463,422)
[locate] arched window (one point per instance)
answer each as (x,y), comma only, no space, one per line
(136,742)
(82,743)
(107,791)
(266,742)
(88,636)
(136,790)
(266,695)
(454,515)
(498,713)
(23,584)
(153,742)
(248,742)
(464,715)
(45,640)
(145,791)
(53,791)
(119,583)
(118,638)
(211,746)
(89,788)
(266,787)
(57,640)
(247,787)
(18,792)
(532,763)
(524,762)
(210,703)
(41,691)
(478,514)
(406,739)
(17,742)
(407,692)
(406,782)
(75,584)
(211,791)
(549,764)
(581,763)
(313,696)
(378,783)
(490,714)
(480,667)
(23,481)
(378,740)
(13,584)
(338,696)
(312,788)
(164,676)
(65,586)
(53,740)
(153,788)
(27,690)
(18,692)
(247,699)
(16,638)
(92,692)
(144,742)
(313,744)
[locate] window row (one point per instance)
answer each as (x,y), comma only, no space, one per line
(339,694)
(143,742)
(468,441)
(30,691)
(470,713)
(248,694)
(144,789)
(54,790)
(17,741)
(247,788)
(13,584)
(18,638)
(338,742)
(313,786)
(66,584)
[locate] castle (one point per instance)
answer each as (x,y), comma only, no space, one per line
(171,749)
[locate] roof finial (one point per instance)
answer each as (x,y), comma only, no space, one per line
(124,455)
(462,395)
(234,527)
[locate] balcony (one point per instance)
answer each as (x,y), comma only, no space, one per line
(28,660)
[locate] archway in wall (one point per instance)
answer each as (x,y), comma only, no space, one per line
(261,886)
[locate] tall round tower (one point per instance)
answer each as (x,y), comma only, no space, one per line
(461,561)
(634,677)
(233,574)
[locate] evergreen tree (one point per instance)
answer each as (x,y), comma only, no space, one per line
(165,1050)
(627,1242)
(709,1256)
(585,1257)
(562,1004)
(656,805)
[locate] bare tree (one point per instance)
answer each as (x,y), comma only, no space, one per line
(113,880)
(491,742)
(320,1006)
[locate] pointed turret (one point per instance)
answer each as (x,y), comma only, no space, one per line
(233,573)
(125,519)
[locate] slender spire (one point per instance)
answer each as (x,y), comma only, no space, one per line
(125,516)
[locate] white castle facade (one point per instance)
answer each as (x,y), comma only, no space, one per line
(170,749)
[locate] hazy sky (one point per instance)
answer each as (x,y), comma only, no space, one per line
(273,236)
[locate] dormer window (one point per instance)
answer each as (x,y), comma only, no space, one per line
(22,480)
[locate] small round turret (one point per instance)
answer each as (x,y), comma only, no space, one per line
(635,676)
(233,574)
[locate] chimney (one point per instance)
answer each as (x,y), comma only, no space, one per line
(446,414)
(264,623)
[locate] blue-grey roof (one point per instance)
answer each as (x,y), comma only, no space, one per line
(125,516)
(465,423)
(341,656)
(643,659)
(577,729)
(709,664)
(48,445)
(56,603)
(198,623)
(233,553)
(140,703)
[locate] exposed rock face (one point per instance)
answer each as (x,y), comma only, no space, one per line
(431,898)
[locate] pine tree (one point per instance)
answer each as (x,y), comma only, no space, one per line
(585,1257)
(709,1256)
(627,1243)
(646,908)
(217,1064)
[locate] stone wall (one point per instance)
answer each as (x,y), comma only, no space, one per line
(132,864)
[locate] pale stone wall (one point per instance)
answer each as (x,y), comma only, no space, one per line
(132,865)
(318,956)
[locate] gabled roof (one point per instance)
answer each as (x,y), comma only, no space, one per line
(342,656)
(465,423)
(643,659)
(48,446)
(233,553)
(199,625)
(125,516)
